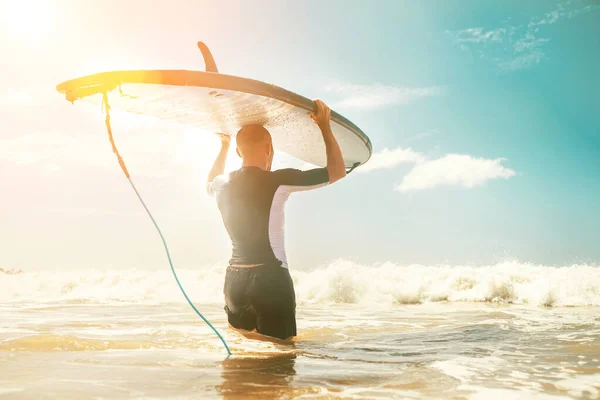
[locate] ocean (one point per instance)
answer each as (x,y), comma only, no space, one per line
(505,331)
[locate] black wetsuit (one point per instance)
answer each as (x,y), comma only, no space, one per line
(251,201)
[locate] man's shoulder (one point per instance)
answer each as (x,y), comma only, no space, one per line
(216,185)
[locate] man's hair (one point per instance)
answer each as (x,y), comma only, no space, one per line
(251,135)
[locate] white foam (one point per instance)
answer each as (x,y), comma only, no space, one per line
(511,282)
(340,282)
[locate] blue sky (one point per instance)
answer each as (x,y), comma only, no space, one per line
(483,117)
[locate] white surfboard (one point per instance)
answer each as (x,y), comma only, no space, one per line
(222,103)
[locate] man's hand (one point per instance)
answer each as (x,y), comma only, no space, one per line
(225,139)
(322,116)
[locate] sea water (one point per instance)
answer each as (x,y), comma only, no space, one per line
(510,330)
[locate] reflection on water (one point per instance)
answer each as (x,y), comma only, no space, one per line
(257,377)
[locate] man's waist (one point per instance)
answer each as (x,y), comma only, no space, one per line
(254,264)
(246,265)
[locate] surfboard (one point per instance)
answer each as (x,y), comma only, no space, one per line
(223,103)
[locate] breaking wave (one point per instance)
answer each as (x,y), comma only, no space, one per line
(339,282)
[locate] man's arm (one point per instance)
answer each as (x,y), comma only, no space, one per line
(335,161)
(218,167)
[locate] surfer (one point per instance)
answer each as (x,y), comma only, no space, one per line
(259,292)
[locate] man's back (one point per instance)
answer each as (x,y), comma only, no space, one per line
(259,293)
(251,201)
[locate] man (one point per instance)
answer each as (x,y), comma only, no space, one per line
(259,293)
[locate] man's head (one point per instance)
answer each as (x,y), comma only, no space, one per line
(254,146)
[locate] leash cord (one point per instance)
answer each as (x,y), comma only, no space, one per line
(126,172)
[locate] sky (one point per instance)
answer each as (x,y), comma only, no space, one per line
(483,118)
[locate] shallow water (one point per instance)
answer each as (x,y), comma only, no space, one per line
(73,336)
(67,350)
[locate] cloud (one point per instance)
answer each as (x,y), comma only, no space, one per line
(527,53)
(450,170)
(523,52)
(479,35)
(561,13)
(378,95)
(547,19)
(513,47)
(528,43)
(453,170)
(525,61)
(391,158)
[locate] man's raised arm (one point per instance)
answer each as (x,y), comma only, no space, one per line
(335,161)
(218,167)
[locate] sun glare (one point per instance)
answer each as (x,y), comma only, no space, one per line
(198,148)
(25,19)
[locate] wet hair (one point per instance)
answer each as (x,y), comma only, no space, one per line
(251,135)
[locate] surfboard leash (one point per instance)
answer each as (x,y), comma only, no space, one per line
(126,172)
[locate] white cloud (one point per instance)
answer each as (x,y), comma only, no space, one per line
(513,47)
(523,52)
(479,35)
(525,61)
(450,170)
(390,158)
(453,170)
(378,95)
(548,19)
(528,43)
(560,13)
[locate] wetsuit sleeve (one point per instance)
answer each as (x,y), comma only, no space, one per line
(296,180)
(212,188)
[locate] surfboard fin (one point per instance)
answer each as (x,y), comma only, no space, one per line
(209,61)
